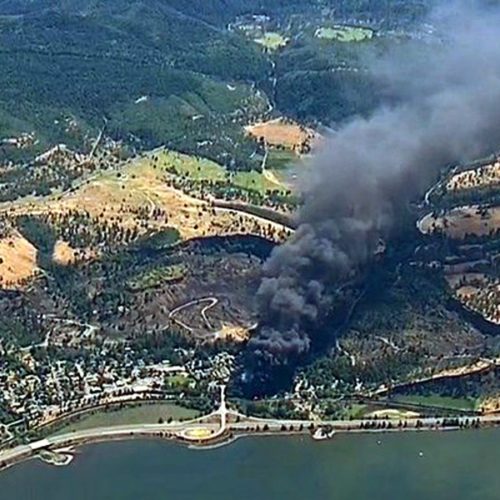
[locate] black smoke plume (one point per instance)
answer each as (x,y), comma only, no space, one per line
(444,107)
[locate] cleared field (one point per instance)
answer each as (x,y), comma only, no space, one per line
(392,413)
(284,133)
(140,414)
(256,181)
(65,255)
(460,221)
(178,381)
(18,260)
(489,175)
(195,168)
(206,170)
(344,34)
(137,198)
(272,41)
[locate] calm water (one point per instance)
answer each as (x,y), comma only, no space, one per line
(454,465)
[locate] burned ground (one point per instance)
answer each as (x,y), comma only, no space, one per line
(212,296)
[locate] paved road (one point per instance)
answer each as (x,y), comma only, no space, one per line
(105,433)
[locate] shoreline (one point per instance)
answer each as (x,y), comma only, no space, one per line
(227,438)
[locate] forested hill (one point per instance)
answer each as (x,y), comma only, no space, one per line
(83,62)
(222,11)
(169,71)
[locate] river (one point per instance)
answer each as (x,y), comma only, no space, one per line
(424,465)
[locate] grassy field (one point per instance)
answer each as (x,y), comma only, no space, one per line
(345,34)
(206,170)
(157,277)
(18,259)
(458,222)
(280,160)
(254,180)
(356,411)
(272,41)
(192,167)
(438,401)
(140,414)
(392,414)
(141,198)
(283,132)
(178,381)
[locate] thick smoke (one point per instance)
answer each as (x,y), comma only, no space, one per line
(445,107)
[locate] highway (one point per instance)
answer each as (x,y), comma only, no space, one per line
(239,424)
(225,421)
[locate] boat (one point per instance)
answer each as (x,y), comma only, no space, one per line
(320,434)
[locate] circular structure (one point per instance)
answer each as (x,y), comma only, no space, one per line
(198,434)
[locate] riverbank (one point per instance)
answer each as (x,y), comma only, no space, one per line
(174,432)
(459,465)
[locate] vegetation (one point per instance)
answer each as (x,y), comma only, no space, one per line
(207,180)
(137,66)
(151,413)
(170,72)
(465,220)
(194,219)
(272,41)
(280,160)
(325,82)
(157,277)
(345,34)
(438,401)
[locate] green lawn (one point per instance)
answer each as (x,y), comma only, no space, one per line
(345,34)
(280,160)
(356,410)
(439,401)
(178,381)
(272,41)
(195,174)
(206,170)
(254,180)
(139,414)
(195,168)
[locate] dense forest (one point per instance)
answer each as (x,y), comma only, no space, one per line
(174,72)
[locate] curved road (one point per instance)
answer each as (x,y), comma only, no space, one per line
(213,301)
(128,431)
